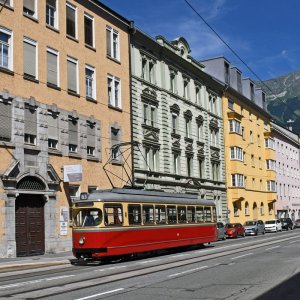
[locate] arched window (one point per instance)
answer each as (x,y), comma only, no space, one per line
(262,209)
(246,209)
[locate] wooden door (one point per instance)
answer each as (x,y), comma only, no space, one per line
(30,229)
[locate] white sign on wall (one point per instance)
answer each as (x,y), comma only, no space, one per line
(63,220)
(72,173)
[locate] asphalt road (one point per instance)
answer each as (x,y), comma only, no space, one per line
(261,267)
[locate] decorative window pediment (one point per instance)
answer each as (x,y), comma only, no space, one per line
(213,124)
(188,115)
(175,109)
(199,120)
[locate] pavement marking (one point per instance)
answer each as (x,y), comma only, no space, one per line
(272,248)
(33,281)
(241,256)
(188,271)
(148,261)
(179,255)
(292,242)
(111,268)
(100,294)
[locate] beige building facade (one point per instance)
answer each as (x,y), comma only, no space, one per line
(65,102)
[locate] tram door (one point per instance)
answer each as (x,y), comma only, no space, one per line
(30,229)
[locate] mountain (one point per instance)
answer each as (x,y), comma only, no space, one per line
(283,101)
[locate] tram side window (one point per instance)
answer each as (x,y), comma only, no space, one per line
(113,214)
(134,214)
(160,214)
(181,212)
(148,214)
(171,211)
(199,214)
(215,214)
(88,217)
(191,214)
(207,213)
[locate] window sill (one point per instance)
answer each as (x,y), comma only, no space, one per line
(7,71)
(115,108)
(72,93)
(116,162)
(30,78)
(54,152)
(52,28)
(53,86)
(113,59)
(31,18)
(91,99)
(6,144)
(72,38)
(32,147)
(90,47)
(74,155)
(92,158)
(9,7)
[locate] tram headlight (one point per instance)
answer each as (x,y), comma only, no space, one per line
(81,240)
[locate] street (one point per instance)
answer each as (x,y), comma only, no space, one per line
(259,267)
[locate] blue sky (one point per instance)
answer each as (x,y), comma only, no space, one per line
(264,33)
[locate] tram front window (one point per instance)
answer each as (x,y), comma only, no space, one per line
(88,217)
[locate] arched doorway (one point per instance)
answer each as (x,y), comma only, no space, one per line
(30,223)
(255,212)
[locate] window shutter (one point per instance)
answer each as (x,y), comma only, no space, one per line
(73,132)
(90,135)
(5,121)
(52,68)
(30,121)
(29,4)
(72,76)
(29,59)
(52,127)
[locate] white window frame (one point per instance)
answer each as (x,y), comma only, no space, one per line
(93,28)
(75,61)
(235,126)
(112,100)
(56,17)
(269,143)
(55,52)
(10,48)
(238,180)
(11,4)
(236,153)
(271,164)
(35,15)
(112,31)
(271,186)
(198,94)
(34,43)
(94,88)
(76,19)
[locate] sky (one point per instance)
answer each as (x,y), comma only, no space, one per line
(264,33)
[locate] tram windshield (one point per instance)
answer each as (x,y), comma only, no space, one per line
(88,217)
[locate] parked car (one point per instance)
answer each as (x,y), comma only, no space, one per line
(254,227)
(297,223)
(233,230)
(287,223)
(221,231)
(273,225)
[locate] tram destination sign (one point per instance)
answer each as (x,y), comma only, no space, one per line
(72,173)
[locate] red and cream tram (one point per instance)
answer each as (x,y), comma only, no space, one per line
(119,222)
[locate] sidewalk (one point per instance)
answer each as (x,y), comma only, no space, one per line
(33,262)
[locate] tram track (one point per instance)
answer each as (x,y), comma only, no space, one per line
(135,270)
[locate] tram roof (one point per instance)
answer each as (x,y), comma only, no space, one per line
(135,195)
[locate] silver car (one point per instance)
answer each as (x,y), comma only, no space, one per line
(254,227)
(221,231)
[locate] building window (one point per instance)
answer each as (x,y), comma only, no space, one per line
(30,130)
(251,91)
(252,160)
(235,126)
(246,209)
(5,120)
(269,143)
(236,153)
(198,95)
(71,21)
(271,186)
(91,138)
(52,122)
(112,43)
(258,140)
(30,8)
(72,73)
(238,180)
(230,104)
(89,30)
(51,13)
(212,104)
(73,135)
(5,48)
(30,58)
(251,137)
(265,125)
(262,209)
(174,122)
(150,112)
(148,69)
(8,2)
(189,166)
(215,171)
(201,167)
(271,164)
(115,139)
(239,82)
(90,82)
(114,91)
(52,67)
(214,137)
(259,163)
(200,131)
(188,127)
(176,163)
(186,91)
(172,81)
(152,155)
